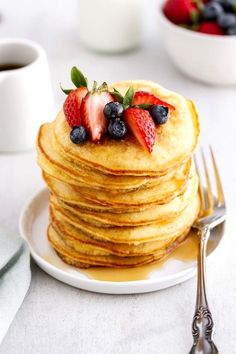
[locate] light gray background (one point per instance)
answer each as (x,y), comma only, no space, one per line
(56,318)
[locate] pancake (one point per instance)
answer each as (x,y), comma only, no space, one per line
(82,260)
(136,234)
(78,174)
(141,217)
(175,141)
(113,204)
(65,195)
(159,194)
(78,240)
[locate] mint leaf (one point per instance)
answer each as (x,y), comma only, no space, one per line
(66,91)
(129,96)
(78,78)
(118,96)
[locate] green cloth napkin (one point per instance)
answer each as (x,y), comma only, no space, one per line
(15,277)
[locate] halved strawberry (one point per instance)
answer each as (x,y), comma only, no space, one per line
(144,97)
(71,106)
(142,126)
(92,115)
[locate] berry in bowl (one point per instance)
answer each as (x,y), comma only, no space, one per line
(200,37)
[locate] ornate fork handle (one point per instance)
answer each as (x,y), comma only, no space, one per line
(203,325)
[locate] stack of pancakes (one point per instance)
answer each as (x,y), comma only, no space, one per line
(113,204)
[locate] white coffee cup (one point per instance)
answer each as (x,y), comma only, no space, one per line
(26,98)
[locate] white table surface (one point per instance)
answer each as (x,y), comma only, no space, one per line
(56,318)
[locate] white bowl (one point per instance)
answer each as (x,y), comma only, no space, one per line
(203,57)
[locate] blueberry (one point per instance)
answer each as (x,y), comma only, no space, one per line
(113,110)
(228,5)
(226,21)
(231,31)
(211,11)
(159,114)
(117,128)
(78,134)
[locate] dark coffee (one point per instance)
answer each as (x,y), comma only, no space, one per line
(9,66)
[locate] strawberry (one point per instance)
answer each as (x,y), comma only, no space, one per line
(91,111)
(71,106)
(147,98)
(181,11)
(210,28)
(142,126)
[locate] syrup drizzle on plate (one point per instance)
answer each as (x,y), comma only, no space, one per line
(187,252)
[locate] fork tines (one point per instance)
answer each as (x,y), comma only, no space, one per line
(211,192)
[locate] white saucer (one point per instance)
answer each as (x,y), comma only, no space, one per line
(33,228)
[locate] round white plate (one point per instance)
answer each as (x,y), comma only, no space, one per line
(33,228)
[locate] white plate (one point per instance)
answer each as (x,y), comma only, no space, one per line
(33,228)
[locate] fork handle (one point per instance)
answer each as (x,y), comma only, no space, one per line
(202,326)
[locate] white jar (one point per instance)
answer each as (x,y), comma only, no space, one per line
(111,25)
(26,97)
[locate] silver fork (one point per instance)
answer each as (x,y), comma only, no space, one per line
(212,213)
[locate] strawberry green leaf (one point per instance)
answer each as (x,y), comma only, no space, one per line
(94,88)
(118,96)
(190,27)
(66,91)
(78,78)
(195,17)
(194,27)
(129,96)
(234,7)
(103,87)
(144,105)
(199,4)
